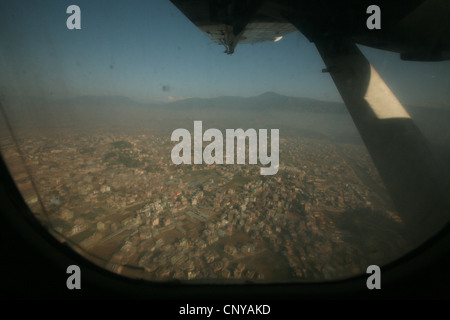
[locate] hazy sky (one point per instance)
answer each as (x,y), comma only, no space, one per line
(149,51)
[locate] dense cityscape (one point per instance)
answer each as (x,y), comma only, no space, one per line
(117,198)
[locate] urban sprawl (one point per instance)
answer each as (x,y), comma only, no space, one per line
(118,199)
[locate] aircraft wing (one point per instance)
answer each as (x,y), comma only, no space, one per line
(218,21)
(417,29)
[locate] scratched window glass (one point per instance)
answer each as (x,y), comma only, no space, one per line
(162,143)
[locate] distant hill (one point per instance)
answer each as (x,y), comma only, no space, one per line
(120,110)
(266,110)
(265,101)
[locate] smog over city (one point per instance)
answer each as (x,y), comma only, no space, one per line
(106,185)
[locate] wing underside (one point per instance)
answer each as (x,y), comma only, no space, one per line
(417,29)
(218,21)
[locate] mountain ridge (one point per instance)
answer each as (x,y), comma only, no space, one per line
(263,102)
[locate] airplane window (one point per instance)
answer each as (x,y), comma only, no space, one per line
(123,138)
